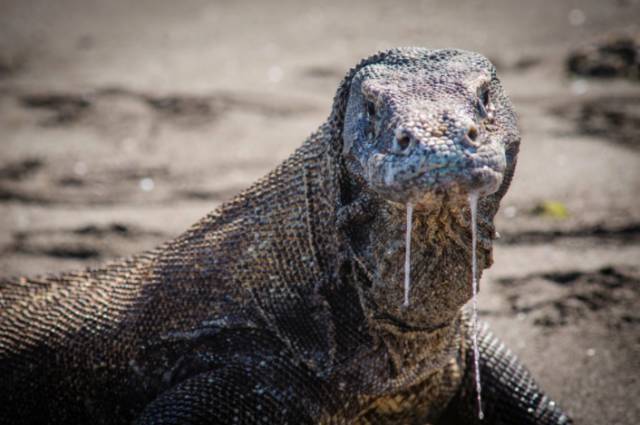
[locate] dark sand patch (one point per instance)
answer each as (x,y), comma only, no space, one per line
(614,118)
(598,233)
(608,295)
(20,170)
(62,108)
(614,55)
(86,242)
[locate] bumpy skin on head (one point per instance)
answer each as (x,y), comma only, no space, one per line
(284,305)
(422,121)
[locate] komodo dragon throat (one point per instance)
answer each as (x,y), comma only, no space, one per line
(285,305)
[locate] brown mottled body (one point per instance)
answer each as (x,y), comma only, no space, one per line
(282,306)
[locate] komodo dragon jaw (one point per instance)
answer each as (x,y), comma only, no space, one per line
(426,128)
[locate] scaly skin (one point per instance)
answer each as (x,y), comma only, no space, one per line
(284,305)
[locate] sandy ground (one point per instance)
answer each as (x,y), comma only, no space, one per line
(121,124)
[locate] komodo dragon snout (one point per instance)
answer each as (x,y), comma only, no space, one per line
(411,131)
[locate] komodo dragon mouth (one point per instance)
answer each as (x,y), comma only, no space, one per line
(416,180)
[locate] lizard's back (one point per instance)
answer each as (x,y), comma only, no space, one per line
(102,343)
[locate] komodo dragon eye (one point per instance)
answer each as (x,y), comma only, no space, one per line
(484,96)
(371,109)
(484,101)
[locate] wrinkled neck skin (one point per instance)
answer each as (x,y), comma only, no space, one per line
(440,264)
(426,128)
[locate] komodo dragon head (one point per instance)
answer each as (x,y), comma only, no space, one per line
(425,127)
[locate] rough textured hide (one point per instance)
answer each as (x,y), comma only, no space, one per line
(285,304)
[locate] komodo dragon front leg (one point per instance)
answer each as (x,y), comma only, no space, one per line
(241,393)
(509,393)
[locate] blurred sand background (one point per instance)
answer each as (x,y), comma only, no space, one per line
(121,123)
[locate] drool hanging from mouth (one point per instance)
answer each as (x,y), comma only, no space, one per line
(407,255)
(473,206)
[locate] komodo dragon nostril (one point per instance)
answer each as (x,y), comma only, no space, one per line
(472,133)
(403,141)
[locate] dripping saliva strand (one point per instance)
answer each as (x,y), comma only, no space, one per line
(407,255)
(473,206)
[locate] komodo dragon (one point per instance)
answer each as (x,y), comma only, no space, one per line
(284,305)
